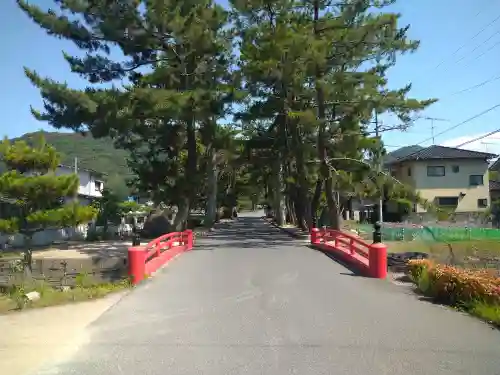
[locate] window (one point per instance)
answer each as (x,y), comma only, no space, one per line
(98,185)
(476,180)
(482,203)
(409,172)
(435,171)
(455,169)
(447,201)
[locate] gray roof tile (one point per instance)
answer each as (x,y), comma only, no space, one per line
(441,152)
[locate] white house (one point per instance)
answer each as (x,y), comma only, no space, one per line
(91,183)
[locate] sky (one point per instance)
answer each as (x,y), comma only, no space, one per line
(460,49)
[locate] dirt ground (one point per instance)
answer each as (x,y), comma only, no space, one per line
(31,338)
(76,250)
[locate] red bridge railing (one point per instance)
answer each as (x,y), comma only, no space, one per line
(370,259)
(144,260)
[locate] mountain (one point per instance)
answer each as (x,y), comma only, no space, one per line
(97,154)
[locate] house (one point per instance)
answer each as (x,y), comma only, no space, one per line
(494,190)
(91,182)
(495,180)
(447,177)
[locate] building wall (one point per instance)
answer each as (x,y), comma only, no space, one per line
(403,172)
(87,182)
(452,184)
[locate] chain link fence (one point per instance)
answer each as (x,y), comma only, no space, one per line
(413,232)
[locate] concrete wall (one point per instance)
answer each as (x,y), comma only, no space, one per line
(46,237)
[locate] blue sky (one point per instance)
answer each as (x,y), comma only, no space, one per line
(442,26)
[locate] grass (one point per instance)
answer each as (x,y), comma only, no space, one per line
(13,298)
(488,313)
(467,253)
(10,254)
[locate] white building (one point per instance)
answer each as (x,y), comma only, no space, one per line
(91,183)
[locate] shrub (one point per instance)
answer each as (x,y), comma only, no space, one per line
(456,286)
(416,267)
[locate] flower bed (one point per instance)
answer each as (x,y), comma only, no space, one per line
(474,290)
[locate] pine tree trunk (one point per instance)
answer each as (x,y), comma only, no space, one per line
(315,202)
(211,206)
(181,218)
(279,199)
(332,199)
(303,207)
(28,257)
(191,177)
(291,216)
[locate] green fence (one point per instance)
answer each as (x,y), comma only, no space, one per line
(434,234)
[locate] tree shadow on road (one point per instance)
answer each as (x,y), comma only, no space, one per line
(245,233)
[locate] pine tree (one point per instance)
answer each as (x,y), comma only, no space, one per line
(274,54)
(354,49)
(171,51)
(316,71)
(35,197)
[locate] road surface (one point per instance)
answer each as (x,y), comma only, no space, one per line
(252,301)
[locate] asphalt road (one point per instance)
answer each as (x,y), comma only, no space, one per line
(250,300)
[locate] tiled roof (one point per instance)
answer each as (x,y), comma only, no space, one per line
(494,185)
(83,169)
(441,152)
(495,166)
(400,153)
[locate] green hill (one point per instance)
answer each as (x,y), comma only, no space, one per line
(97,154)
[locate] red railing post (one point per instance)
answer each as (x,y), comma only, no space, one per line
(315,236)
(189,233)
(137,263)
(377,260)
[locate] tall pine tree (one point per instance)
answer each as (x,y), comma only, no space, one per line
(171,50)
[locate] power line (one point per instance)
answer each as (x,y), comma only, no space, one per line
(488,50)
(479,138)
(478,46)
(462,123)
(469,40)
(496,78)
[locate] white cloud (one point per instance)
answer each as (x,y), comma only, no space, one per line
(489,144)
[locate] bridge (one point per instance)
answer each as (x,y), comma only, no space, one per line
(250,300)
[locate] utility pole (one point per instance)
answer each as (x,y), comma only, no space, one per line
(379,170)
(75,167)
(432,119)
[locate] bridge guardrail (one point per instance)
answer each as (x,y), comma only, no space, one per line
(144,260)
(370,259)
